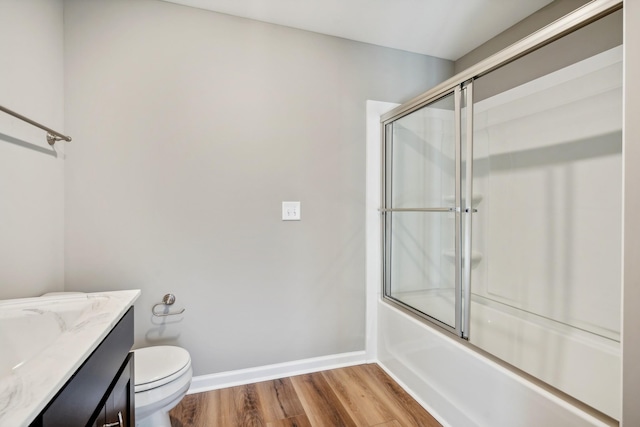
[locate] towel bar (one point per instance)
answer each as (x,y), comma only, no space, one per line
(168,299)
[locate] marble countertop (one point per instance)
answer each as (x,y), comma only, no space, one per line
(44,340)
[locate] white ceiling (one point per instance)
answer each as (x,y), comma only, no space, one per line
(443,28)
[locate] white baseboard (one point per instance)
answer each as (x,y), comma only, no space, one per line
(202,383)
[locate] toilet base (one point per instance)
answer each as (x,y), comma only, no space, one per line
(160,418)
(154,399)
(157,419)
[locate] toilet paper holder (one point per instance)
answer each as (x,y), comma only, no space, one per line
(168,299)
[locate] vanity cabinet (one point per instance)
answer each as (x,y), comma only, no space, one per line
(117,410)
(101,392)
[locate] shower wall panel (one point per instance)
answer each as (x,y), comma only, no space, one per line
(548,163)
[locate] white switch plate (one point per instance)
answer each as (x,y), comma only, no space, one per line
(291,211)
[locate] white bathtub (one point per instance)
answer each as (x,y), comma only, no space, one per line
(463,388)
(581,364)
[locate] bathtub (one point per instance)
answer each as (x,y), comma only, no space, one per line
(462,387)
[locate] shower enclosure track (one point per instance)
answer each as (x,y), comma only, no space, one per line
(581,17)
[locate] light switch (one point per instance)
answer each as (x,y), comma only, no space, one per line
(291,211)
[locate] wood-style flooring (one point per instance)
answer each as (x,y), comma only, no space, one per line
(361,395)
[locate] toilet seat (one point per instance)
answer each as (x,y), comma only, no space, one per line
(157,366)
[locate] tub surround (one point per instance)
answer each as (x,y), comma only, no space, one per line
(40,355)
(456,384)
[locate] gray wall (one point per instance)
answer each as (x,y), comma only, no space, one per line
(532,23)
(190,129)
(599,36)
(31,172)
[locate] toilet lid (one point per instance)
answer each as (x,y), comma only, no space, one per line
(156,366)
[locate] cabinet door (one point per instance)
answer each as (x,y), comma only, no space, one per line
(101,420)
(119,407)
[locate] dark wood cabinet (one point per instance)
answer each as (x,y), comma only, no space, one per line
(101,388)
(117,410)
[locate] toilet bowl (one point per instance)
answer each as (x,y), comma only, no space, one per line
(162,378)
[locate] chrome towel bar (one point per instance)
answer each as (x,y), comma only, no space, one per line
(384,210)
(52,135)
(168,299)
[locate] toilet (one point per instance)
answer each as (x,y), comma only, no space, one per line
(162,378)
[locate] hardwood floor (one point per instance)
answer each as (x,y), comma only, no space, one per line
(362,396)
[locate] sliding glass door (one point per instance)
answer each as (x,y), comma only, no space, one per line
(502,210)
(422,199)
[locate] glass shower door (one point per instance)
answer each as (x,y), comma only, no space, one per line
(422,222)
(502,211)
(548,160)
